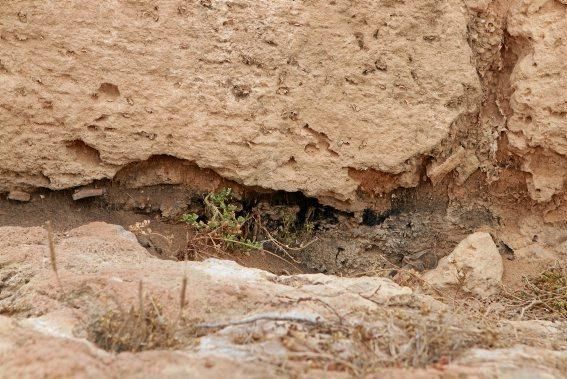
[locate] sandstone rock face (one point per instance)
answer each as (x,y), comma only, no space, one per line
(538,125)
(259,324)
(278,94)
(475,265)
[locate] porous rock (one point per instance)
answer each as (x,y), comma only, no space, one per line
(538,124)
(251,312)
(278,94)
(475,266)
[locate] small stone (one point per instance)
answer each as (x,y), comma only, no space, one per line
(90,192)
(19,196)
(437,171)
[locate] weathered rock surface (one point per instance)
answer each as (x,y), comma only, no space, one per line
(538,125)
(277,94)
(100,265)
(475,266)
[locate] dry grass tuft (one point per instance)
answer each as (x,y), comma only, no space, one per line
(408,341)
(542,297)
(142,327)
(133,330)
(389,338)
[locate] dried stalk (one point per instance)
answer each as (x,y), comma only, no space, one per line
(52,253)
(182,297)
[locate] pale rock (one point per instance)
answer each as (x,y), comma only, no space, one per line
(517,356)
(282,95)
(538,124)
(474,266)
(478,5)
(547,331)
(535,250)
(548,172)
(88,192)
(44,337)
(19,196)
(542,187)
(437,171)
(468,166)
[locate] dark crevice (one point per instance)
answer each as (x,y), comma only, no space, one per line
(309,209)
(371,218)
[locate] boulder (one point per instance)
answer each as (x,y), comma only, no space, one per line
(475,266)
(292,96)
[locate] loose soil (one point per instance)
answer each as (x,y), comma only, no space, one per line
(66,214)
(414,232)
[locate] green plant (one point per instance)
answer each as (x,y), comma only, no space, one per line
(222,222)
(291,233)
(191,219)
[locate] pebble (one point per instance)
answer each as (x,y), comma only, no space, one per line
(19,196)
